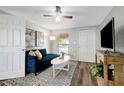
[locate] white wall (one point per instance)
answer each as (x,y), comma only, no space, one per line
(118,14)
(73,44)
(73,40)
(38,27)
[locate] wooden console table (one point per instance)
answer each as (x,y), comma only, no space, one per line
(112,58)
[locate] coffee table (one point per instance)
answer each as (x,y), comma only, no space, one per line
(60,64)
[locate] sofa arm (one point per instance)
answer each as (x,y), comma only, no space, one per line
(31,65)
(31,57)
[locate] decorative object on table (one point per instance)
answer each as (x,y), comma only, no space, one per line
(61,54)
(45,78)
(97,71)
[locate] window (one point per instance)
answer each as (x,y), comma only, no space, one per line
(63,43)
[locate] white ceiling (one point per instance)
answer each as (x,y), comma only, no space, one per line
(83,16)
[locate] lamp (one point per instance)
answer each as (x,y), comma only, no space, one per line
(57,18)
(52,38)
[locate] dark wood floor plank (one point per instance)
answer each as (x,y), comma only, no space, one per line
(82,76)
(75,76)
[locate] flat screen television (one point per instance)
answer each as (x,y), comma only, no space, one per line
(108,35)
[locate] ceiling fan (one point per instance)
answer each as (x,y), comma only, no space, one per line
(58,14)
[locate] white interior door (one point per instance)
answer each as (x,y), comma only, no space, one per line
(73,45)
(12,45)
(87,48)
(82,48)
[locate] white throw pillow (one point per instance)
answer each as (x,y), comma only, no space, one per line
(32,53)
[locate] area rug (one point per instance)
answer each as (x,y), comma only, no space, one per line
(44,78)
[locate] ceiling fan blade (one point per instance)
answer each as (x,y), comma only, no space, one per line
(48,15)
(68,17)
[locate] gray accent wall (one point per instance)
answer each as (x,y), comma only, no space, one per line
(118,14)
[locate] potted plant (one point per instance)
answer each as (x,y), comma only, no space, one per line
(97,71)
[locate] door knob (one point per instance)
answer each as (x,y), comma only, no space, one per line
(23,49)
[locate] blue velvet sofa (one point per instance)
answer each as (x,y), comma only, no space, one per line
(33,65)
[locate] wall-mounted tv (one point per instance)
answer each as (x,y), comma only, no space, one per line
(108,35)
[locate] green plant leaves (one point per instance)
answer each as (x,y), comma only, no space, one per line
(97,70)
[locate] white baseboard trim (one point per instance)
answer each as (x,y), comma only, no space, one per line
(11,75)
(73,60)
(79,60)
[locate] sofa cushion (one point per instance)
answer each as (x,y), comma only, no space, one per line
(49,57)
(38,54)
(43,52)
(31,53)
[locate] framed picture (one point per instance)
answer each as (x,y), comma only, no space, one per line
(40,39)
(34,38)
(30,38)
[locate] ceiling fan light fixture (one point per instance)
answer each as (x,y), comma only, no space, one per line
(57,14)
(52,38)
(57,18)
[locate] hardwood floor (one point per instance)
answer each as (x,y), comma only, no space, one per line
(81,75)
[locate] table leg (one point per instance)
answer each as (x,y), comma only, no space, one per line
(67,68)
(68,65)
(53,71)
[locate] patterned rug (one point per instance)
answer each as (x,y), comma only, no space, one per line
(45,78)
